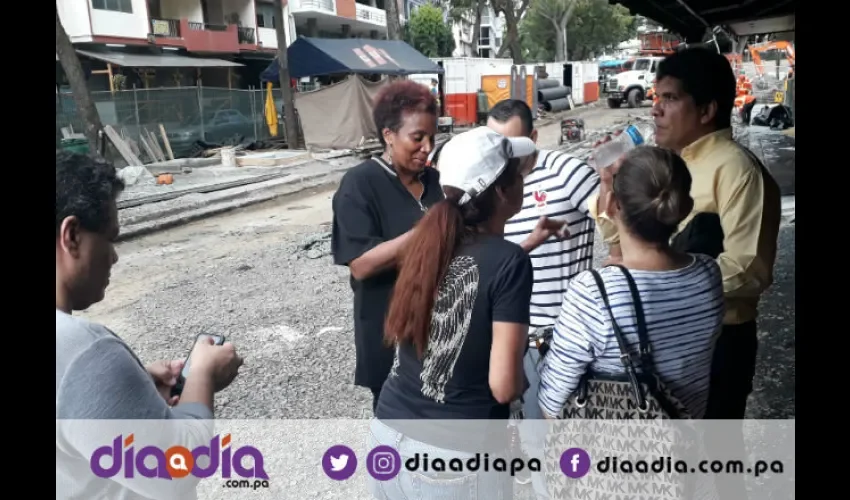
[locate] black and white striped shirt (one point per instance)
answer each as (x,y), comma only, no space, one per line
(558,187)
(683,310)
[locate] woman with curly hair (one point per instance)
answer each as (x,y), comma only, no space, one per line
(375,207)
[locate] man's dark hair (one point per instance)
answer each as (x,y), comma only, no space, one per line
(509,108)
(85,187)
(706,76)
(397,98)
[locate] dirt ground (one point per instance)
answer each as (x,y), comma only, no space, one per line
(598,116)
(148,263)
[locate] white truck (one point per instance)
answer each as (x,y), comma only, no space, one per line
(631,86)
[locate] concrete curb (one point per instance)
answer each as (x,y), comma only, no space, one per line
(226,202)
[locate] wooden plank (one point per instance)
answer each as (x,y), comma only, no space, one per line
(157,146)
(165,141)
(122,147)
(148,148)
(134,146)
(160,156)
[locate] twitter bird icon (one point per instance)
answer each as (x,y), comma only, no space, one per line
(339,462)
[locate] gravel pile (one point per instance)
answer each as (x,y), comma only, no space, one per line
(314,246)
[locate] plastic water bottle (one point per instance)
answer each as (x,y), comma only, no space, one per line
(633,136)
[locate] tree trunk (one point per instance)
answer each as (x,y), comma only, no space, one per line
(476,26)
(393,24)
(290,124)
(563,35)
(560,44)
(511,41)
(512,17)
(77,80)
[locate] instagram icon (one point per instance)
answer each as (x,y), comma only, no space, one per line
(383,463)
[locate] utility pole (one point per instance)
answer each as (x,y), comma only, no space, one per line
(290,125)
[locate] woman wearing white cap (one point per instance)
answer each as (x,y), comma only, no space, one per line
(459,320)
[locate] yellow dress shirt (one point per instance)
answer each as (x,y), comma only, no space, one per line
(729,181)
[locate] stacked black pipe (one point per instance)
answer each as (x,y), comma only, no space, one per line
(552,96)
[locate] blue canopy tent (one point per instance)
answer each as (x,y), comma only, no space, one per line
(329,56)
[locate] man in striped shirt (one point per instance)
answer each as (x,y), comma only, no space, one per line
(557,188)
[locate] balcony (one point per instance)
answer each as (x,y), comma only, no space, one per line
(165,28)
(371,15)
(225,26)
(323,6)
(196,36)
(267,37)
(246,36)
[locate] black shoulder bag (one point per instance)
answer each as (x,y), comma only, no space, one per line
(635,394)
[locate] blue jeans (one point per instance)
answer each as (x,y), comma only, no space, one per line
(419,485)
(532,430)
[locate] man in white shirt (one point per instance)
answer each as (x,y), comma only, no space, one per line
(557,188)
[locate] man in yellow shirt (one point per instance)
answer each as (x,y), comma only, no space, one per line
(695,91)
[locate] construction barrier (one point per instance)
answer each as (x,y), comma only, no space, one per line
(465,76)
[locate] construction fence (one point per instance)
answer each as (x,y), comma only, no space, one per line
(188,114)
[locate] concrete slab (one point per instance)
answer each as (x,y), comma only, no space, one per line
(271,158)
(201,178)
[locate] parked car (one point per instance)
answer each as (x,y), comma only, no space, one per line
(223,127)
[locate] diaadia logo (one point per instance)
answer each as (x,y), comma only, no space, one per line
(178,461)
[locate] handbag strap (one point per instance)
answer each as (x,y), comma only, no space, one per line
(647,365)
(625,356)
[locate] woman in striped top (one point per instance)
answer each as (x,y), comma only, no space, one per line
(682,294)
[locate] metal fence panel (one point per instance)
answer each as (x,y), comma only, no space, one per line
(189,114)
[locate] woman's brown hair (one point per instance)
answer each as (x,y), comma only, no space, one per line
(427,255)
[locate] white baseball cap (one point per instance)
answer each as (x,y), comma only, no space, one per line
(473,160)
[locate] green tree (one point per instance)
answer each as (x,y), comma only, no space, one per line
(594,27)
(558,13)
(428,33)
(598,26)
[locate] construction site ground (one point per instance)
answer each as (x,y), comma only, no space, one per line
(262,275)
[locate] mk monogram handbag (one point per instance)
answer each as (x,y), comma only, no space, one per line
(628,417)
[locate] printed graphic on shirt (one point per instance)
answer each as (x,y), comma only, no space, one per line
(449,326)
(540,198)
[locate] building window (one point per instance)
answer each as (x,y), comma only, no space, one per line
(266,21)
(113,5)
(484,36)
(266,16)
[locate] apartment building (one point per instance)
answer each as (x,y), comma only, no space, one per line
(489,38)
(144,35)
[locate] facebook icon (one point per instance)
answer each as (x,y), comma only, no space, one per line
(575,463)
